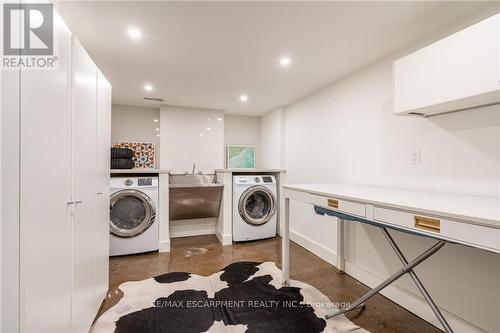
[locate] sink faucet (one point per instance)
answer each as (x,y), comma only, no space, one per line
(194,167)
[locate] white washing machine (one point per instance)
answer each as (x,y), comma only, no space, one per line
(254,207)
(133,215)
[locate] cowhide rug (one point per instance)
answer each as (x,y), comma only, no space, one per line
(243,297)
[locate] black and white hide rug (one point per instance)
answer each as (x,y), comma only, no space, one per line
(243,297)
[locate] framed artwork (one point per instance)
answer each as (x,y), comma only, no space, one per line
(144,153)
(240,157)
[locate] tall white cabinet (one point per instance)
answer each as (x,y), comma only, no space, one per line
(45,190)
(103,157)
(86,184)
(64,142)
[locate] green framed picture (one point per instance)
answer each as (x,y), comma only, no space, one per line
(240,157)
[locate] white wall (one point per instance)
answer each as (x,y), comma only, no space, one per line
(243,130)
(272,130)
(136,124)
(352,122)
(346,133)
(191,135)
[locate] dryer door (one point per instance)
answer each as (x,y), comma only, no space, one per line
(131,213)
(257,205)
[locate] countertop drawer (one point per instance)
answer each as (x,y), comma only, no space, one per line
(453,230)
(345,206)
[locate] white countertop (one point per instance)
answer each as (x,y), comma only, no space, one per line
(249,170)
(158,171)
(466,208)
(138,170)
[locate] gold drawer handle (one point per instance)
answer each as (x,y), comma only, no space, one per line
(333,203)
(427,224)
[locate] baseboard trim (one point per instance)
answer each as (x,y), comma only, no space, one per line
(164,246)
(226,239)
(411,302)
(209,230)
(324,253)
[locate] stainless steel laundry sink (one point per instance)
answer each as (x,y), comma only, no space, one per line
(194,196)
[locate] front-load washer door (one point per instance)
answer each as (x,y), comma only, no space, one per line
(131,213)
(257,205)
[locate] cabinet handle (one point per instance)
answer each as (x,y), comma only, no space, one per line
(99,192)
(333,203)
(74,202)
(427,224)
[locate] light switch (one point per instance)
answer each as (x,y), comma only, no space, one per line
(416,157)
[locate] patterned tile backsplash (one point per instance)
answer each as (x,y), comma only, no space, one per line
(144,156)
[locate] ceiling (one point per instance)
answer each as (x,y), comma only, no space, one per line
(206,54)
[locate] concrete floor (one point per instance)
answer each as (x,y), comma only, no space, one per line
(381,314)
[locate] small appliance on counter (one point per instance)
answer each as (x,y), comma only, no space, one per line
(144,153)
(122,158)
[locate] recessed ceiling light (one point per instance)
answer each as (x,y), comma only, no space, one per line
(157,129)
(208,128)
(157,134)
(134,33)
(201,134)
(219,119)
(148,87)
(243,98)
(285,61)
(156,120)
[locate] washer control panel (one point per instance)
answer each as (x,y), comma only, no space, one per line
(268,179)
(144,181)
(140,182)
(254,180)
(133,182)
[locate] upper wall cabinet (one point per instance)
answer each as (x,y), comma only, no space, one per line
(459,72)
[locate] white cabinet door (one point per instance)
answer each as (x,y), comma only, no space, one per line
(45,189)
(85,303)
(458,72)
(103,167)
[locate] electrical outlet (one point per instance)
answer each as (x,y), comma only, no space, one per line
(416,157)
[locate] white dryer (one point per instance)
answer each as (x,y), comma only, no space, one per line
(254,207)
(133,215)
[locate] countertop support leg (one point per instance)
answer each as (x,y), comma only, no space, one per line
(340,246)
(285,246)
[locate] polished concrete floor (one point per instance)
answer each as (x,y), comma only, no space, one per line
(204,255)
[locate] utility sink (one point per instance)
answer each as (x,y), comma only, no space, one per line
(194,196)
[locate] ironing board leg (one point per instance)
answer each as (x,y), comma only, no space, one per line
(407,268)
(419,283)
